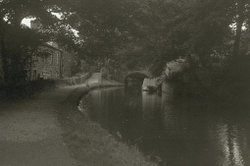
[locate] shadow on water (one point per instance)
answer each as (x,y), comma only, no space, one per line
(174,130)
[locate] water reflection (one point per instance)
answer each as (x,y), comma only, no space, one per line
(176,131)
(229,144)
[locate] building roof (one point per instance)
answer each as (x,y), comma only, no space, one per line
(51,47)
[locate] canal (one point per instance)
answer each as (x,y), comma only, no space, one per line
(174,130)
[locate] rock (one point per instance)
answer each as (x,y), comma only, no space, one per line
(176,67)
(149,84)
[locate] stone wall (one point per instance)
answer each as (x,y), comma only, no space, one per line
(75,80)
(46,64)
(176,67)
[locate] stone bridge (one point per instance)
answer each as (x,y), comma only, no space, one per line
(136,75)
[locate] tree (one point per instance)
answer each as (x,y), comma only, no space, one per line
(18,43)
(240,13)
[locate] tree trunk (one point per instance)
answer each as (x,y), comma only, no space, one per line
(3,57)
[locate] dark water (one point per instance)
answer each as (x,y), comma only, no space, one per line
(175,131)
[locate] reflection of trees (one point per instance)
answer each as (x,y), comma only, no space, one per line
(150,104)
(101,100)
(229,141)
(170,117)
(118,112)
(172,129)
(133,96)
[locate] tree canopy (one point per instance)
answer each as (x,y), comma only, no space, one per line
(131,32)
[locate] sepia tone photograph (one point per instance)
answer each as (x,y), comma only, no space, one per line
(124,82)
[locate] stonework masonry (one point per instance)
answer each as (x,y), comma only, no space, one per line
(50,63)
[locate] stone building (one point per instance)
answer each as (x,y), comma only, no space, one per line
(50,62)
(47,63)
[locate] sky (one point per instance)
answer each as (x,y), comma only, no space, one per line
(27,21)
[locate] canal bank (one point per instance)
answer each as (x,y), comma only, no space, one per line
(87,141)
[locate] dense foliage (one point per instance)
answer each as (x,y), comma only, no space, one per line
(131,33)
(148,32)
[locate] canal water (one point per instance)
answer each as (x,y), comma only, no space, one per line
(174,130)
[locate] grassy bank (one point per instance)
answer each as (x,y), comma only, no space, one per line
(89,143)
(26,90)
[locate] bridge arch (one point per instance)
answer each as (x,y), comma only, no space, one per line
(136,75)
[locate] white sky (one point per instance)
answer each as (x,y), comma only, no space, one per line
(27,21)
